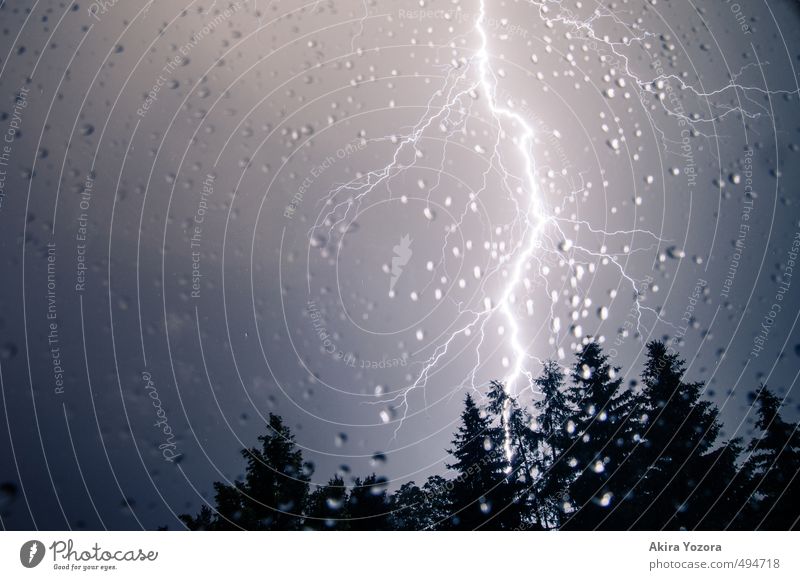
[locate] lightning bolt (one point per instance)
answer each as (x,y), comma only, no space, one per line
(459,92)
(534,216)
(536,235)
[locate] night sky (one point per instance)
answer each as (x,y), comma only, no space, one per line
(212,211)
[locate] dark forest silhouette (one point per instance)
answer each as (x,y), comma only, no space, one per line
(590,454)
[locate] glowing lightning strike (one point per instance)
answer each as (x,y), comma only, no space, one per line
(535,237)
(534,216)
(534,220)
(532,240)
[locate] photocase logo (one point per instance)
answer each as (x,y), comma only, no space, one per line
(402,254)
(31,553)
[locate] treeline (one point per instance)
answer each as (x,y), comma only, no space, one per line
(591,453)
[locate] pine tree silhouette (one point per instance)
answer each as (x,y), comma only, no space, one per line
(273,494)
(553,412)
(723,487)
(678,428)
(604,433)
(775,464)
(590,455)
(481,495)
(520,440)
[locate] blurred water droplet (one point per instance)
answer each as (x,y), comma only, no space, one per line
(8,351)
(675,253)
(8,493)
(334,503)
(386,415)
